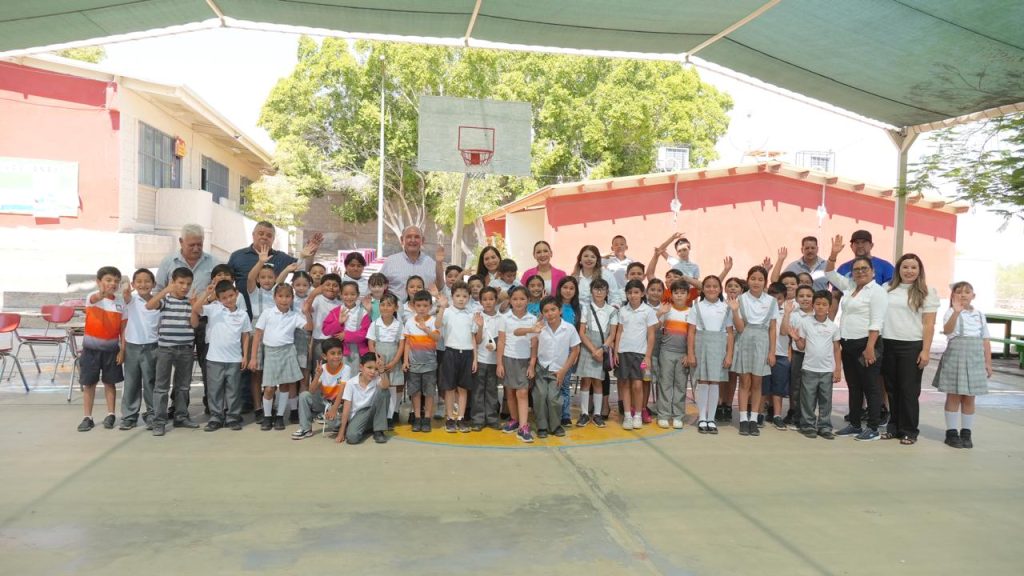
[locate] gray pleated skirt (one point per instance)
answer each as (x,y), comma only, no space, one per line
(962,368)
(751,354)
(710,349)
(588,367)
(302,348)
(280,365)
(387,351)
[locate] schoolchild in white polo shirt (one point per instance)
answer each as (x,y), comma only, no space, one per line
(488,324)
(634,344)
(366,404)
(517,358)
(138,351)
(459,359)
(818,337)
(228,330)
(558,347)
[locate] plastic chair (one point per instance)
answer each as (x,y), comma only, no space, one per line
(56,334)
(74,332)
(9,325)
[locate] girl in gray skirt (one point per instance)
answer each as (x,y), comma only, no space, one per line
(275,331)
(386,339)
(709,349)
(754,314)
(966,364)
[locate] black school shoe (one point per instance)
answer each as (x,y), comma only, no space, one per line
(108,422)
(380,438)
(86,424)
(965,438)
(267,424)
(235,425)
(745,428)
(542,433)
(279,422)
(213,426)
(753,429)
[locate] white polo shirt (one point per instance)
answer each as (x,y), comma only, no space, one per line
(634,323)
(224,332)
(863,312)
(795,318)
(711,316)
(971,323)
(458,329)
(819,353)
(381,332)
(492,325)
(759,310)
(142,323)
(357,396)
(554,345)
(279,327)
(517,347)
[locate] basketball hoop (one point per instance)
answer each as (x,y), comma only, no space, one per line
(476,145)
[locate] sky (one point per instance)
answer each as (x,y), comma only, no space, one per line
(234,70)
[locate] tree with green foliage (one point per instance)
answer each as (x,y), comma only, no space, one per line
(276,199)
(93,54)
(592,118)
(983,162)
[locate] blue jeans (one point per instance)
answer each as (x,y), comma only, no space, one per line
(565,393)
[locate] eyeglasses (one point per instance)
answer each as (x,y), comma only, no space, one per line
(862,269)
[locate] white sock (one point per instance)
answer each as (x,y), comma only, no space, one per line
(293,403)
(966,421)
(598,403)
(951,418)
(743,416)
(393,401)
(712,401)
(585,402)
(282,403)
(268,407)
(752,416)
(702,401)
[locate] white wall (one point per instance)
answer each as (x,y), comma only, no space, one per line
(522,230)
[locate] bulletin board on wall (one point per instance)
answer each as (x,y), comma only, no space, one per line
(38,187)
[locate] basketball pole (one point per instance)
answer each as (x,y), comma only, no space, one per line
(457,256)
(380,178)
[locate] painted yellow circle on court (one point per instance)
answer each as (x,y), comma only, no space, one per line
(589,435)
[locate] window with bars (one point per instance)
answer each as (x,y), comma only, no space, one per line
(156,157)
(215,179)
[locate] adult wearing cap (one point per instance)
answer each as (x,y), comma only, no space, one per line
(861,245)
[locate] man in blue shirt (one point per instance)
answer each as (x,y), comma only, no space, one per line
(243,259)
(861,245)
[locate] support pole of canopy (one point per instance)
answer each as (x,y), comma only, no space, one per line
(903,140)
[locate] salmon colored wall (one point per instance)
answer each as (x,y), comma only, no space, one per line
(52,116)
(748,217)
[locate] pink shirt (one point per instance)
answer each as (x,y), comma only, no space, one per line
(556,275)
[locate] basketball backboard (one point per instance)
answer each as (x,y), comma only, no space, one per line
(474,136)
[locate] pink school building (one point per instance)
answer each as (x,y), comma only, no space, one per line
(746,212)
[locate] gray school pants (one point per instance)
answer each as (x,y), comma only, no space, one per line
(311,404)
(485,395)
(139,373)
(176,359)
(796,369)
(370,418)
(816,392)
(224,391)
(547,400)
(671,385)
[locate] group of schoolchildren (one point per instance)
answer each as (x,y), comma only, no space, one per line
(341,351)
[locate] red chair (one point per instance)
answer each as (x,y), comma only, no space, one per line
(9,325)
(56,334)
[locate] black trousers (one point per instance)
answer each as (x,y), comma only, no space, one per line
(903,384)
(862,381)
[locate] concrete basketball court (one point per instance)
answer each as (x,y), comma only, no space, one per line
(111,502)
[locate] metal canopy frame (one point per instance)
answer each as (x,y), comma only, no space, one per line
(187,15)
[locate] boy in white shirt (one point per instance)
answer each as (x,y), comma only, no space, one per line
(557,349)
(366,404)
(228,330)
(319,304)
(485,381)
(634,344)
(138,349)
(818,337)
(459,359)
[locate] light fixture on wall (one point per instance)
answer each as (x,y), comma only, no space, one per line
(675,205)
(822,211)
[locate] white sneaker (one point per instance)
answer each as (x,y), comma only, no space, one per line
(677,423)
(638,422)
(662,423)
(627,422)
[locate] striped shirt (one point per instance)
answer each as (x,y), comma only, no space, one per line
(422,348)
(175,328)
(399,267)
(675,324)
(102,323)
